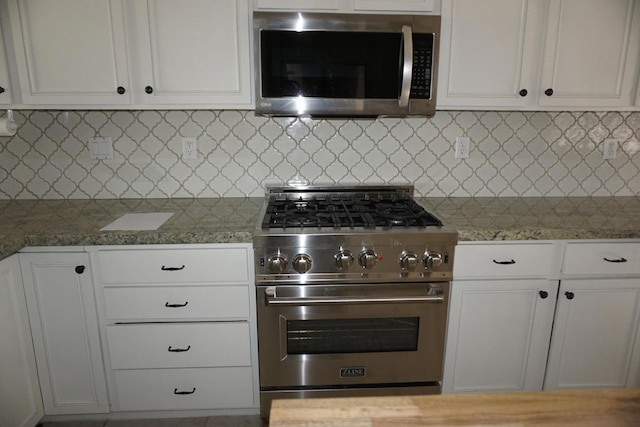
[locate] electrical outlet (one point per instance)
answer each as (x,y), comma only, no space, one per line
(462,147)
(189,148)
(610,149)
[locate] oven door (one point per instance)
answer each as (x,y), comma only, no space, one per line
(351,335)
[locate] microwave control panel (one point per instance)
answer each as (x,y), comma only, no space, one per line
(422,63)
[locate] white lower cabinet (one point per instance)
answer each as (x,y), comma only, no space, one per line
(178,327)
(500,318)
(596,338)
(64,325)
(576,325)
(499,334)
(20,401)
(596,334)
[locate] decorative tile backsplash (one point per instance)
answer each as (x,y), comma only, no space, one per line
(512,154)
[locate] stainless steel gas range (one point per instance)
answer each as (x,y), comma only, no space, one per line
(352,293)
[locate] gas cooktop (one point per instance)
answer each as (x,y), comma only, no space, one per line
(350,234)
(344,208)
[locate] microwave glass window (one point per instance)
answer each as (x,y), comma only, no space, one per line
(331,64)
(325,336)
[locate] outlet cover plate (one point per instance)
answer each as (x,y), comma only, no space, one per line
(462,147)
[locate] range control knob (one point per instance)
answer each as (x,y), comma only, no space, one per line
(276,263)
(301,263)
(344,260)
(432,260)
(368,259)
(408,261)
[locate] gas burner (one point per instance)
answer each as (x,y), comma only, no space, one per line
(383,208)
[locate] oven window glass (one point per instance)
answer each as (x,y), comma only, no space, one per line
(331,64)
(352,335)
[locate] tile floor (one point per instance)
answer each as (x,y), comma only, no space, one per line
(222,421)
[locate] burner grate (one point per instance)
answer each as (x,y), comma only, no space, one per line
(348,210)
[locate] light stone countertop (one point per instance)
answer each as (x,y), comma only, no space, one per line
(233,220)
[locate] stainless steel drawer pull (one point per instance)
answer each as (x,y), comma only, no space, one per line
(178,350)
(163,268)
(512,261)
(616,260)
(166,304)
(175,391)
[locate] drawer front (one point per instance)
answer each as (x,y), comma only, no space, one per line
(166,389)
(602,258)
(177,302)
(179,345)
(224,265)
(499,260)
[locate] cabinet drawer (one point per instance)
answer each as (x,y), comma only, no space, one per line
(177,302)
(179,345)
(165,389)
(224,265)
(602,258)
(499,260)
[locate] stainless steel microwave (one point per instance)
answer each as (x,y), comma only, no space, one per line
(345,65)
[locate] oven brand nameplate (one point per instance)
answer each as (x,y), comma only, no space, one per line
(353,372)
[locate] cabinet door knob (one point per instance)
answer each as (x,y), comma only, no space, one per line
(543,294)
(148,89)
(548,92)
(1,89)
(569,295)
(121,90)
(80,269)
(523,92)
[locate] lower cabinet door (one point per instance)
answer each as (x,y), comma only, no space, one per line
(188,388)
(596,336)
(20,401)
(64,324)
(498,335)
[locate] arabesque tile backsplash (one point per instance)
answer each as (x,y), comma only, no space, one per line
(512,154)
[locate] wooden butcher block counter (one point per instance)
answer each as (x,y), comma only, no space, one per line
(602,408)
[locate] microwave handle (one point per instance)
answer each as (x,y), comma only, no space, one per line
(407,65)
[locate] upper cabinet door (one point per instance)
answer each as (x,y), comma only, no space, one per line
(191,52)
(396,5)
(299,4)
(70,51)
(591,53)
(489,53)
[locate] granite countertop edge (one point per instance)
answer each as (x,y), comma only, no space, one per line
(29,223)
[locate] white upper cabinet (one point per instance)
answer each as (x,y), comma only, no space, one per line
(133,54)
(396,5)
(404,6)
(489,52)
(539,54)
(591,53)
(70,51)
(192,52)
(300,4)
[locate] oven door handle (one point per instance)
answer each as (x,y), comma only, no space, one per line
(272,298)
